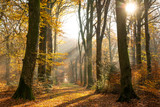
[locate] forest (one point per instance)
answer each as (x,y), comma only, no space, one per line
(80,53)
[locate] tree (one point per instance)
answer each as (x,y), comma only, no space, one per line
(89,26)
(3,7)
(7,61)
(100,35)
(127,92)
(76,72)
(13,30)
(42,47)
(49,40)
(147,35)
(80,59)
(138,37)
(133,43)
(82,33)
(24,89)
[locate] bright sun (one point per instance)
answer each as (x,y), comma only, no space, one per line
(131,8)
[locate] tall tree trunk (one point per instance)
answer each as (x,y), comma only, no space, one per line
(109,42)
(127,91)
(133,44)
(50,51)
(147,36)
(98,63)
(55,50)
(49,45)
(99,36)
(7,61)
(84,44)
(80,72)
(55,42)
(80,59)
(72,72)
(99,44)
(138,37)
(24,89)
(89,42)
(42,54)
(76,73)
(85,72)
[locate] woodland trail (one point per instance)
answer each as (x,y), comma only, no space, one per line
(69,95)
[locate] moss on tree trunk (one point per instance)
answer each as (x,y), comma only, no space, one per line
(24,91)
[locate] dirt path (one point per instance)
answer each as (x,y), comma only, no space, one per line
(68,95)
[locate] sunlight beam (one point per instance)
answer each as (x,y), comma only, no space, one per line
(130,8)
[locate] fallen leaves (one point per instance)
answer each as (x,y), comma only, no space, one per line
(75,96)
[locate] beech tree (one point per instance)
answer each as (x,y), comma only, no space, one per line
(42,47)
(100,29)
(87,41)
(82,33)
(127,93)
(80,58)
(147,35)
(24,89)
(138,37)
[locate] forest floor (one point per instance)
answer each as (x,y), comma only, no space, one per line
(69,95)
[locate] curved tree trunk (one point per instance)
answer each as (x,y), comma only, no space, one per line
(127,92)
(24,89)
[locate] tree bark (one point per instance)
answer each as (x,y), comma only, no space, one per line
(7,61)
(99,36)
(147,36)
(76,73)
(127,92)
(85,72)
(55,41)
(89,42)
(80,59)
(24,89)
(72,72)
(133,44)
(50,51)
(109,42)
(49,45)
(42,54)
(138,38)
(84,44)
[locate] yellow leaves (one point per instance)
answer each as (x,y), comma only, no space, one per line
(45,18)
(52,58)
(77,1)
(149,86)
